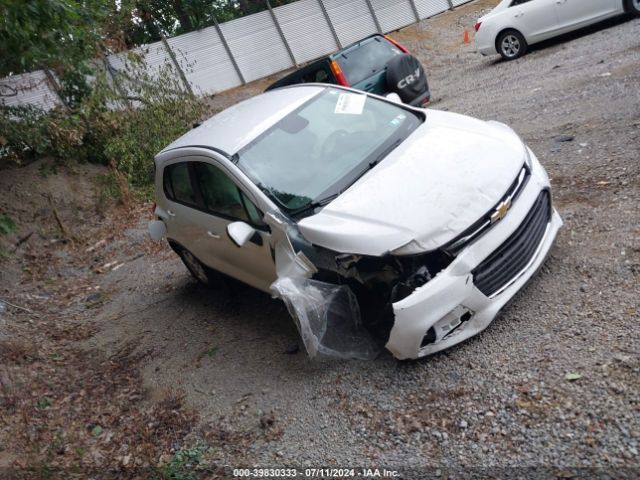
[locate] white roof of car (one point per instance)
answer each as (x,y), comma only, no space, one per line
(236,126)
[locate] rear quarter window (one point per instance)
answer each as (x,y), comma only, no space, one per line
(177,184)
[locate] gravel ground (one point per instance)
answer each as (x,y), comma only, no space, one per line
(501,401)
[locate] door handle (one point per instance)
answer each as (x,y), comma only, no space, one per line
(519,14)
(170,213)
(213,235)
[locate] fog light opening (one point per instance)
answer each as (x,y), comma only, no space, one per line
(447,326)
(429,338)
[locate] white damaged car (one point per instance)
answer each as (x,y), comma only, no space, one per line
(375,222)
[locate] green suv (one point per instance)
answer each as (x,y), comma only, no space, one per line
(377,64)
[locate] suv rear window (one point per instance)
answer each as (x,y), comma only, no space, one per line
(365,59)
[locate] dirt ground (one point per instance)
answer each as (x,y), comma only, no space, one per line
(114,361)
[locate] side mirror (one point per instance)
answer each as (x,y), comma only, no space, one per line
(240,233)
(394,97)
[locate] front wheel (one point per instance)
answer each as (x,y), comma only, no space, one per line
(511,45)
(633,6)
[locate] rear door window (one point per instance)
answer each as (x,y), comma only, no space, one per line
(321,74)
(366,59)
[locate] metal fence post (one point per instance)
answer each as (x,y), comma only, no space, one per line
(284,40)
(175,62)
(328,19)
(373,15)
(116,82)
(415,10)
(450,2)
(54,86)
(228,50)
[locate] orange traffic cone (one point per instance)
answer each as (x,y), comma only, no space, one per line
(466,35)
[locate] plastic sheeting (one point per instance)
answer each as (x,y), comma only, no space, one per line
(328,318)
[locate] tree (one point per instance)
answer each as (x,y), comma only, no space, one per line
(52,33)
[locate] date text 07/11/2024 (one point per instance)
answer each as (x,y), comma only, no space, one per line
(315,472)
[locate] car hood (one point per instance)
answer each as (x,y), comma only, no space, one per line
(447,174)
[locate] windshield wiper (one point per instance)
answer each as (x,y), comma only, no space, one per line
(315,204)
(375,162)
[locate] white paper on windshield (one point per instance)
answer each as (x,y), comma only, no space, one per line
(351,103)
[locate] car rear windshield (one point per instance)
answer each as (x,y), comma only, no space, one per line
(325,145)
(366,59)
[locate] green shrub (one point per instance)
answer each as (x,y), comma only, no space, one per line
(23,134)
(184,465)
(7,225)
(144,133)
(122,123)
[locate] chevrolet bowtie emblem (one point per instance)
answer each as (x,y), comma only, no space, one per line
(501,210)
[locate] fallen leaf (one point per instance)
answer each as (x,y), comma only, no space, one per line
(572,377)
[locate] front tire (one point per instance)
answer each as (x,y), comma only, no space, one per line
(511,45)
(633,7)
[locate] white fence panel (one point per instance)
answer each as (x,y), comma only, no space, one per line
(393,14)
(28,89)
(459,2)
(256,45)
(306,30)
(351,19)
(429,8)
(205,61)
(155,56)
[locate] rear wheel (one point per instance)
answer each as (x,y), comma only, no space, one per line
(511,45)
(634,7)
(195,267)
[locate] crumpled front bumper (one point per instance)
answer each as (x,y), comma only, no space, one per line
(452,294)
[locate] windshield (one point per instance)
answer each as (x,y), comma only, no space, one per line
(368,58)
(322,147)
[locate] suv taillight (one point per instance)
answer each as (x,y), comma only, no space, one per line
(337,72)
(477,26)
(402,48)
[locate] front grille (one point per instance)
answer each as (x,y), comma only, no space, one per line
(516,252)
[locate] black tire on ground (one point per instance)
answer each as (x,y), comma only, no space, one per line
(198,270)
(511,44)
(633,7)
(406,77)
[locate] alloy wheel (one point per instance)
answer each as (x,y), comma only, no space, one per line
(511,45)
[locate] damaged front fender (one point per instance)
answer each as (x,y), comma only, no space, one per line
(327,315)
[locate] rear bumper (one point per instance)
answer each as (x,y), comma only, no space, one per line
(487,50)
(435,310)
(486,41)
(421,100)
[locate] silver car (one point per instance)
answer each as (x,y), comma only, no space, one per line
(377,223)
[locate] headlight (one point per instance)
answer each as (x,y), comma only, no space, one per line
(527,153)
(527,157)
